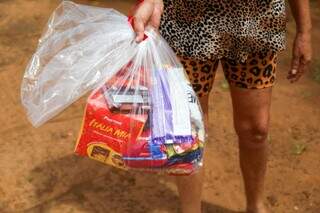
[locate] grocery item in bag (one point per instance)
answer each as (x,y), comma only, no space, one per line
(142,112)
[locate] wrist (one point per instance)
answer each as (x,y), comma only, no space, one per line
(304,30)
(150,1)
(304,26)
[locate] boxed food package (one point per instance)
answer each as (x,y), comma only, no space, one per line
(118,130)
(107,127)
(142,113)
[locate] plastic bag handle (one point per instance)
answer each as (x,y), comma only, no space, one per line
(131,18)
(131,21)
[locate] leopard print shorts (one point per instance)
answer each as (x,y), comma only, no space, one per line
(233,29)
(257,72)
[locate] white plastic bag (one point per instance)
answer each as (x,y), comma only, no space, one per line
(78,51)
(142,114)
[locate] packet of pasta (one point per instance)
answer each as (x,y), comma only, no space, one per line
(142,113)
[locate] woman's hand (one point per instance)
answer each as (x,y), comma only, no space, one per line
(148,12)
(301,56)
(302,50)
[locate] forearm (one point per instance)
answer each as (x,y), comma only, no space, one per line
(152,1)
(301,13)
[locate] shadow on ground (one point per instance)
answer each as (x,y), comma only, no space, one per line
(83,185)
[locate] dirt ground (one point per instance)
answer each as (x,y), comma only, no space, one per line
(40,173)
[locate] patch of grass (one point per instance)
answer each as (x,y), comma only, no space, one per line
(298,149)
(224,85)
(315,69)
(269,138)
(306,94)
(29,179)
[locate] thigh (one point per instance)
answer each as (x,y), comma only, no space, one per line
(257,72)
(251,87)
(201,74)
(251,109)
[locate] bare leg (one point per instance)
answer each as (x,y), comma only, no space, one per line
(190,187)
(251,120)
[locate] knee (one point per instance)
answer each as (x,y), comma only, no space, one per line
(252,134)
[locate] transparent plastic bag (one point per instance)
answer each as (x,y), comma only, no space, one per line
(76,53)
(142,114)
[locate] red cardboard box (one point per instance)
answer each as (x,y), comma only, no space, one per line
(104,133)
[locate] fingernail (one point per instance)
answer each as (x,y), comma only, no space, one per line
(293,71)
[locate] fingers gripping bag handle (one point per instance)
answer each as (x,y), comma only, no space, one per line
(142,113)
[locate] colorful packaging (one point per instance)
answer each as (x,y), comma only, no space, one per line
(142,113)
(119,126)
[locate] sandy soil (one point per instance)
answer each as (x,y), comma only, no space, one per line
(40,172)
